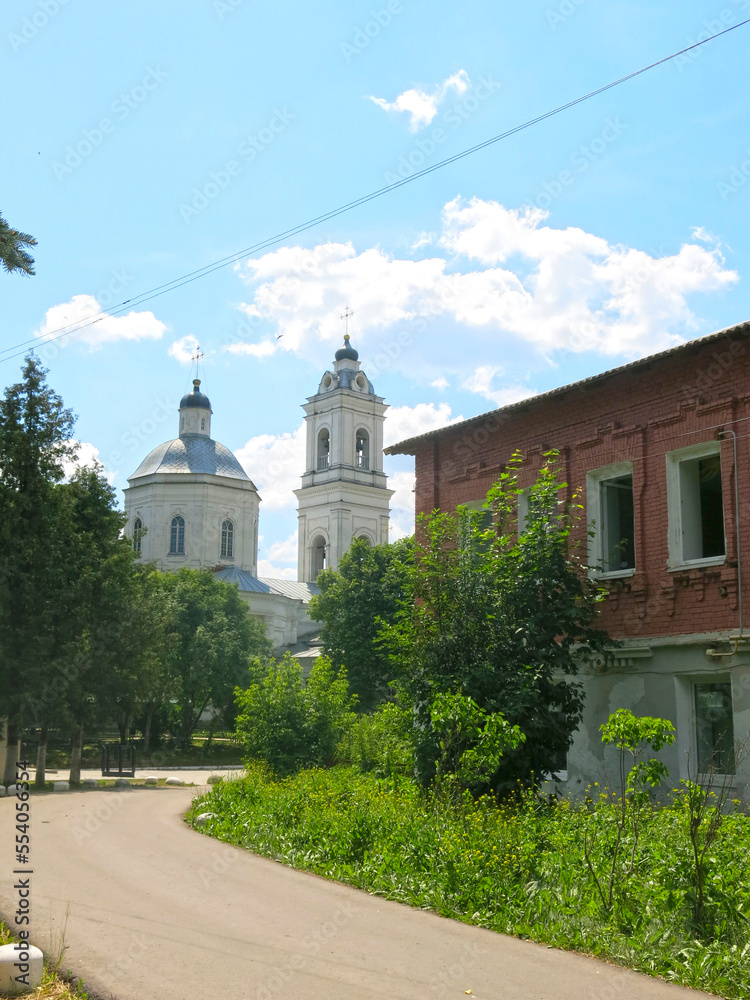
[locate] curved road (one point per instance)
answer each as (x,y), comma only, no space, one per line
(157,911)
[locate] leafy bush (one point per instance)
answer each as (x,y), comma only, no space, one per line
(381,743)
(289,723)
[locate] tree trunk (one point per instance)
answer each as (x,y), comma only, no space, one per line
(11,753)
(147,729)
(75,757)
(41,759)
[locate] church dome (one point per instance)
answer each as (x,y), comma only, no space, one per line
(194,454)
(347,351)
(196,397)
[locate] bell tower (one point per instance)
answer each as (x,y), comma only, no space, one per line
(344,493)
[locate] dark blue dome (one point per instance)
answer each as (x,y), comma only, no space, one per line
(196,397)
(347,351)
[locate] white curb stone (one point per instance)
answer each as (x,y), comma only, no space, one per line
(173,781)
(204,818)
(122,783)
(61,786)
(11,789)
(151,779)
(2,791)
(20,960)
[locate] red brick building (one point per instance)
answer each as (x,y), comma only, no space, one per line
(659,449)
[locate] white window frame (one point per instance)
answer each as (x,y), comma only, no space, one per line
(705,449)
(687,727)
(594,479)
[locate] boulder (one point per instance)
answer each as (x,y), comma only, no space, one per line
(174,781)
(30,964)
(2,791)
(204,818)
(89,783)
(61,786)
(151,779)
(122,782)
(11,790)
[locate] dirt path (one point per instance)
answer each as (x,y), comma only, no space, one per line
(157,911)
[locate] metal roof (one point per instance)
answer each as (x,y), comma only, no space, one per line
(191,453)
(253,584)
(409,446)
(290,588)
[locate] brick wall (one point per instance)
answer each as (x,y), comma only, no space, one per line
(637,415)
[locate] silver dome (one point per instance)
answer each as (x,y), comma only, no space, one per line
(192,453)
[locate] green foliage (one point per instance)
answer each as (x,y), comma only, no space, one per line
(368,588)
(382,742)
(291,724)
(612,846)
(517,869)
(209,641)
(505,617)
(471,741)
(13,256)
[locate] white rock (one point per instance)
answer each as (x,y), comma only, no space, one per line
(61,786)
(174,781)
(11,789)
(151,779)
(89,783)
(2,791)
(27,955)
(204,818)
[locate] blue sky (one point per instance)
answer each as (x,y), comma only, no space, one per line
(144,140)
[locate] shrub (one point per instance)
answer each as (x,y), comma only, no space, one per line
(381,743)
(292,724)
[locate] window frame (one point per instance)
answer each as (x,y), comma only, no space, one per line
(177,551)
(594,480)
(675,558)
(705,776)
(226,545)
(138,535)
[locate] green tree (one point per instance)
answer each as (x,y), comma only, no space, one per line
(12,253)
(209,641)
(366,591)
(35,442)
(503,616)
(292,724)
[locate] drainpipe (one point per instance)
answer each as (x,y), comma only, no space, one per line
(735,638)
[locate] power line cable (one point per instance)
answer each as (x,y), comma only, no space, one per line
(207,269)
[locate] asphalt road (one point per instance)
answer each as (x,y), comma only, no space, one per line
(157,911)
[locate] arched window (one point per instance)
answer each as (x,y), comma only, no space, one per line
(227,540)
(203,423)
(324,449)
(362,449)
(137,535)
(365,539)
(319,556)
(177,536)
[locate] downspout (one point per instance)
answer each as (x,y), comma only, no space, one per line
(735,638)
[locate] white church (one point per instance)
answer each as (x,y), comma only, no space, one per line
(190,502)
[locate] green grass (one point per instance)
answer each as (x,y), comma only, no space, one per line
(53,985)
(515,869)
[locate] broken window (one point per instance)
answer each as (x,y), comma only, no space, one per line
(714,728)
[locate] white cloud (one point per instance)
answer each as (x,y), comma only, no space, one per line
(440,383)
(402,422)
(280,552)
(275,463)
(402,504)
(481,381)
(500,279)
(102,328)
(262,350)
(422,105)
(184,349)
(88,455)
